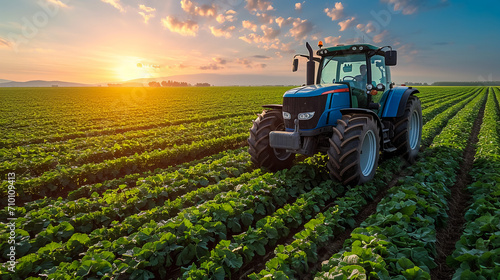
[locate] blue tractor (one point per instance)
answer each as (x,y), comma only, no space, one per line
(350,110)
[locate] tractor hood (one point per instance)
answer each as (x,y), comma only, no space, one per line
(316,90)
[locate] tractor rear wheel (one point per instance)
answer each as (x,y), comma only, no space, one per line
(354,149)
(261,153)
(408,130)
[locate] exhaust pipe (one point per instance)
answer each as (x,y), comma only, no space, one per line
(310,66)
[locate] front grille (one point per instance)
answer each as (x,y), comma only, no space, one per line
(296,105)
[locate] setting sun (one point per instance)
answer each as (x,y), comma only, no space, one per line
(131,68)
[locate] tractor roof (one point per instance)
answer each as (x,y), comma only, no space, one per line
(348,47)
(344,49)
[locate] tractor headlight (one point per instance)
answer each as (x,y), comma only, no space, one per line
(369,86)
(286,116)
(306,116)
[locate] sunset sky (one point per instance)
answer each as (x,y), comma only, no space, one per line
(96,41)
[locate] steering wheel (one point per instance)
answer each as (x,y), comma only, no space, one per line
(352,78)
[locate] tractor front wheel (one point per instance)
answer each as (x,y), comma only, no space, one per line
(261,153)
(408,130)
(354,149)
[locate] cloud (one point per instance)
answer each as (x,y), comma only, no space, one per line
(298,6)
(265,18)
(148,12)
(248,63)
(333,41)
(249,25)
(225,31)
(146,16)
(380,37)
(204,10)
(146,8)
(301,28)
(261,56)
(5,43)
(335,13)
(367,28)
(282,22)
(227,16)
(185,28)
(270,35)
(269,32)
(58,3)
(211,66)
(346,23)
(259,5)
(244,61)
(409,7)
(219,60)
(116,4)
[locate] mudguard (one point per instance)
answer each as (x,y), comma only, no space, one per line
(394,101)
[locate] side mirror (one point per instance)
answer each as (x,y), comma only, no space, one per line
(391,58)
(295,65)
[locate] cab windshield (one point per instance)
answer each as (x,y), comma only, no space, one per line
(349,68)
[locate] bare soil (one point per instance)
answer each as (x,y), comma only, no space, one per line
(458,203)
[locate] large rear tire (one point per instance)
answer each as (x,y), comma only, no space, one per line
(261,153)
(408,130)
(354,149)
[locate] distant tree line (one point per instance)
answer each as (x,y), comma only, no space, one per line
(170,83)
(416,84)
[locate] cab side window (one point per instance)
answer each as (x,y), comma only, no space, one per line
(379,74)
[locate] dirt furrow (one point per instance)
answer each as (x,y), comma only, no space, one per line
(458,203)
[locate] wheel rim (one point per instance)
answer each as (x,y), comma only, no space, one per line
(414,130)
(368,153)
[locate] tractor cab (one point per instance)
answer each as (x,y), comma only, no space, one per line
(363,67)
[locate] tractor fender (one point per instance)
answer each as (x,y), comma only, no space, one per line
(273,106)
(395,101)
(366,112)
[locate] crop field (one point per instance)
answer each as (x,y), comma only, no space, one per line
(157,183)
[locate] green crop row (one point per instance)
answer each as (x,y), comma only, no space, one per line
(67,179)
(180,240)
(65,247)
(61,114)
(398,242)
(440,95)
(435,124)
(131,181)
(86,215)
(477,253)
(443,105)
(36,162)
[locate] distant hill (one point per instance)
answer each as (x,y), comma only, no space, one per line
(39,83)
(4,81)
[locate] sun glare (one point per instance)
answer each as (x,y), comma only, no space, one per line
(131,69)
